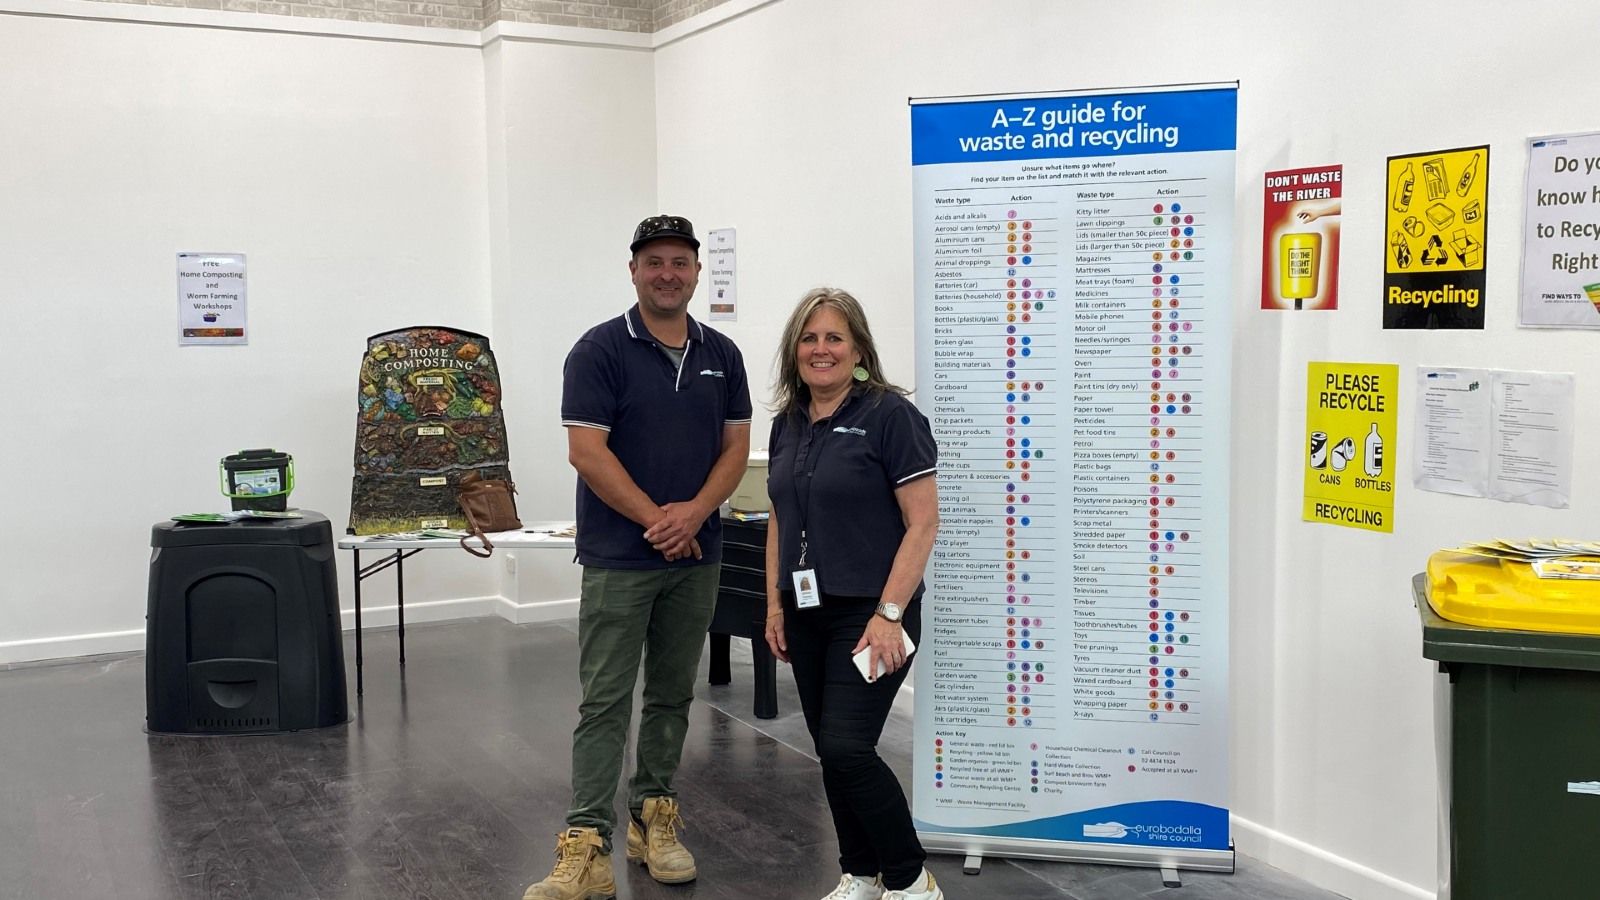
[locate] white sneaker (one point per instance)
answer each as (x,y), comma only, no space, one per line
(852,887)
(932,892)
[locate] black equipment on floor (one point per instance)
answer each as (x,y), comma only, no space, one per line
(242,631)
(742,611)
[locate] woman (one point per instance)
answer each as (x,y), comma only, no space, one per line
(854,511)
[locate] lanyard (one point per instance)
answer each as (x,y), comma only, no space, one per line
(813,454)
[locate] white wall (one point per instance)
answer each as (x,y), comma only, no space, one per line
(352,173)
(395,177)
(791,124)
(579,144)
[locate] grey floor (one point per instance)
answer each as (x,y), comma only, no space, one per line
(449,782)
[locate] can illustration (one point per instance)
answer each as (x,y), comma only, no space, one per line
(1299,264)
(1319,449)
(1342,453)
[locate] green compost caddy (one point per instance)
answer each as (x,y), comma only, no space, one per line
(1518,715)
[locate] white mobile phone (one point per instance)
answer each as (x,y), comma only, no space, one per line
(860,659)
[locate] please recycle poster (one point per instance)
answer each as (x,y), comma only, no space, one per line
(1350,444)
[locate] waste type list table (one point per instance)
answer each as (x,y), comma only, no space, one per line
(1073,361)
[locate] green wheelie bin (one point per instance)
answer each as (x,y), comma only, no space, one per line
(1519,754)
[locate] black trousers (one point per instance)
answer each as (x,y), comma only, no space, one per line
(845,715)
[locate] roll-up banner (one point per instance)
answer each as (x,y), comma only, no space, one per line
(1073,291)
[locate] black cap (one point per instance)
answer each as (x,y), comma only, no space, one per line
(663,226)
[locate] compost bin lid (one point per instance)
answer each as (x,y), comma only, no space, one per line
(311,529)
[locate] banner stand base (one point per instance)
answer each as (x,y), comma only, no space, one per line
(1168,859)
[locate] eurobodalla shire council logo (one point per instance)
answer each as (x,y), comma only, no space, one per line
(1163,834)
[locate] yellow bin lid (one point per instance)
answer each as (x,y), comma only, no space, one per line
(1504,593)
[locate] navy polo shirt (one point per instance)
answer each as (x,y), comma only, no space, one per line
(853,461)
(664,423)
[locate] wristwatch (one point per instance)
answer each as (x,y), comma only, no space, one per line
(890,611)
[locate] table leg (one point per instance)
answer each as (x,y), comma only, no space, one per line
(721,670)
(357,554)
(764,664)
(766,678)
(400,607)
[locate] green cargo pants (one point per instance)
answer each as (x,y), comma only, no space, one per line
(664,613)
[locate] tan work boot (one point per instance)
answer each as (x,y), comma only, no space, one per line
(582,872)
(656,845)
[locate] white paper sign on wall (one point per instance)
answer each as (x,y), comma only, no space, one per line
(211,298)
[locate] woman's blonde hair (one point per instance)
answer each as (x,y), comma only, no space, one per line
(790,393)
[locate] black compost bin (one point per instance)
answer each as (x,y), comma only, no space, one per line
(242,631)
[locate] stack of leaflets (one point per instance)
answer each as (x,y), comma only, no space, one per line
(1549,557)
(236,515)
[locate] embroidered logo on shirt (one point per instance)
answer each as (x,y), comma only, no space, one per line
(859,432)
(713,373)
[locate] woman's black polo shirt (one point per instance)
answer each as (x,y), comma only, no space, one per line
(665,424)
(853,461)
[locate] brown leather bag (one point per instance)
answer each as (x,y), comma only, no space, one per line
(490,505)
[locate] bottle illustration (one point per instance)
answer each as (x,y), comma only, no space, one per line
(1402,189)
(1468,175)
(1433,175)
(1372,453)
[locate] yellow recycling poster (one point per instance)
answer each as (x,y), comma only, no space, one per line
(1436,228)
(1350,443)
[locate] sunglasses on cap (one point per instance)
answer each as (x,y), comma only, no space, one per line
(659,227)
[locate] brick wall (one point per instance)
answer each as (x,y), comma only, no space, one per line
(612,15)
(671,12)
(460,14)
(644,16)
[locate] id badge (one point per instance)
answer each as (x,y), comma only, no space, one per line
(805,589)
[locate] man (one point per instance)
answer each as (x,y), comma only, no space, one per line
(657,413)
